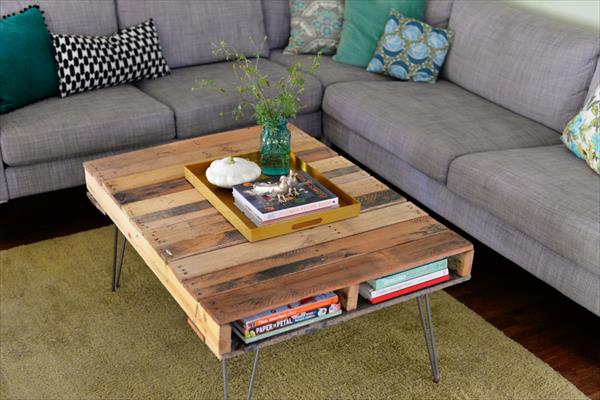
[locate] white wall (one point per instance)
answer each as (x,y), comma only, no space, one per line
(583,13)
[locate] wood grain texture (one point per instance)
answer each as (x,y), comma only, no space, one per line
(216,276)
(348,297)
(557,330)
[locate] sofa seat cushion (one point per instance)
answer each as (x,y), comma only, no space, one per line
(545,192)
(330,71)
(87,123)
(197,111)
(428,126)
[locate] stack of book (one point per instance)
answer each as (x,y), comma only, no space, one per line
(408,281)
(288,317)
(306,197)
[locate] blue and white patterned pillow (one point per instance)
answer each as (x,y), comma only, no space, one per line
(410,49)
(582,133)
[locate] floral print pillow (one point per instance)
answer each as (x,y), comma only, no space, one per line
(582,134)
(315,26)
(410,49)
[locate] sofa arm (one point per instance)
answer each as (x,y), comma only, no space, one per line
(3,184)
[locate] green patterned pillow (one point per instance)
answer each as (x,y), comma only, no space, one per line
(410,49)
(582,134)
(315,26)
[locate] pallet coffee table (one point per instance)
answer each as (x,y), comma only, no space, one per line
(217,277)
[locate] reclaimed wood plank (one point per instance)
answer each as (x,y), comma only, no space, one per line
(315,154)
(166,224)
(161,203)
(152,190)
(334,173)
(211,330)
(197,265)
(379,199)
(195,329)
(348,297)
(176,211)
(331,163)
(462,263)
(188,151)
(316,256)
(364,186)
(249,300)
(345,179)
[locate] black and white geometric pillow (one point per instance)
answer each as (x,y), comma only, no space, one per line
(93,62)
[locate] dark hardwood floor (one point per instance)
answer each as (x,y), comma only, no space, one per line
(555,329)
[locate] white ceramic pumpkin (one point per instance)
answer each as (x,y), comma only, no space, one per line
(231,171)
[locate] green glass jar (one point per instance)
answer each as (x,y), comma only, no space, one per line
(275,148)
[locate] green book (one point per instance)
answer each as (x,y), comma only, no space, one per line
(412,273)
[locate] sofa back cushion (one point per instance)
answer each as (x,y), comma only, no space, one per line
(595,82)
(70,17)
(277,22)
(528,64)
(188,28)
(438,12)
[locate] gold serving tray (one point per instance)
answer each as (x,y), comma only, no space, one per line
(222,200)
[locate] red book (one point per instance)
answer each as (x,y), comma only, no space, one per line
(411,289)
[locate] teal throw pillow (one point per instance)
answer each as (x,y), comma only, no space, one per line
(27,66)
(582,133)
(410,49)
(315,26)
(363,26)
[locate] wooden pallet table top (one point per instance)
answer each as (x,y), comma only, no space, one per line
(217,276)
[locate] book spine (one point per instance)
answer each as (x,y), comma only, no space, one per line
(288,212)
(293,320)
(285,329)
(412,273)
(258,222)
(411,289)
(289,217)
(250,324)
(247,212)
(244,202)
(409,283)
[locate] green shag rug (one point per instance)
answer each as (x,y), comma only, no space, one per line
(65,335)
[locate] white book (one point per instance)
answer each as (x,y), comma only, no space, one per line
(246,206)
(368,292)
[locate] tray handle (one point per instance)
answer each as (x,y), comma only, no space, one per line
(308,223)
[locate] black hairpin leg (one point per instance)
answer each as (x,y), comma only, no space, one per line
(225,384)
(427,326)
(117,263)
(252,377)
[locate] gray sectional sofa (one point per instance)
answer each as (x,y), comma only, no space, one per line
(481,147)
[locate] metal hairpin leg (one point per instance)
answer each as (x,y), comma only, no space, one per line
(429,335)
(116,277)
(225,385)
(252,377)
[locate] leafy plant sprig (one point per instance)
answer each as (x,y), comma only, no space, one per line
(268,100)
